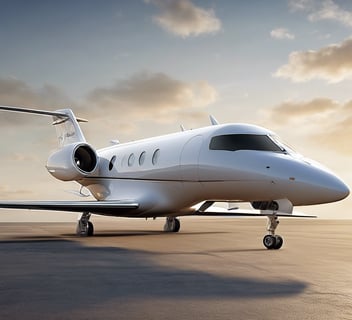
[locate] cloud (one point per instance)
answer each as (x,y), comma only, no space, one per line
(326,122)
(297,5)
(17,92)
(301,110)
(183,18)
(122,108)
(281,33)
(153,95)
(332,63)
(329,10)
(322,10)
(14,92)
(336,132)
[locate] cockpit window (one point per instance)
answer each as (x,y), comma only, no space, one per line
(233,142)
(283,145)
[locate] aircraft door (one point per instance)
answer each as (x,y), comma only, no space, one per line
(190,158)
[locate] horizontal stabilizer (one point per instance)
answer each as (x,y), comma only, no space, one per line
(40,112)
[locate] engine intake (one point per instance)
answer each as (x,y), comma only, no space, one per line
(85,158)
(73,162)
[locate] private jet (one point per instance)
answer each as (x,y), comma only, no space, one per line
(185,174)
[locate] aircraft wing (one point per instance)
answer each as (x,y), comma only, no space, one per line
(99,207)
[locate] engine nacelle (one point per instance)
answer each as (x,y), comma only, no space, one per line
(73,162)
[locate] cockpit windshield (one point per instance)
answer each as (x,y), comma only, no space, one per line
(234,142)
(284,146)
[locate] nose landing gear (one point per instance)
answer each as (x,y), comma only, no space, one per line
(272,241)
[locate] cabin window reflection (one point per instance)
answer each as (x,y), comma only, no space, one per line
(234,142)
(142,158)
(131,160)
(156,156)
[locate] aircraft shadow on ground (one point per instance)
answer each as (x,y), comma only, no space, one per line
(134,233)
(55,273)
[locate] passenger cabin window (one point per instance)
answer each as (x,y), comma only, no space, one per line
(234,142)
(142,158)
(155,157)
(112,162)
(131,160)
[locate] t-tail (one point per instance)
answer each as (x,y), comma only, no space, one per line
(67,128)
(75,158)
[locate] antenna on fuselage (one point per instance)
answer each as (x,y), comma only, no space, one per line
(182,127)
(213,121)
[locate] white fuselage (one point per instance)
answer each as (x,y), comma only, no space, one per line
(171,173)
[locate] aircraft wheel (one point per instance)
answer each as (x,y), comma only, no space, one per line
(172,225)
(81,230)
(278,242)
(90,230)
(269,241)
(177,226)
(84,226)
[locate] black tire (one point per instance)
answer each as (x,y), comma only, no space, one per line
(269,241)
(279,241)
(177,226)
(90,229)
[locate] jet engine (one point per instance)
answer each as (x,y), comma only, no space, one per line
(73,162)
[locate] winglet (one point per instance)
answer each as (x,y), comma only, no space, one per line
(213,121)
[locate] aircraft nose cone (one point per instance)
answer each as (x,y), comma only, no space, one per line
(331,187)
(316,185)
(339,189)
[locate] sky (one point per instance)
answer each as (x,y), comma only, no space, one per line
(141,68)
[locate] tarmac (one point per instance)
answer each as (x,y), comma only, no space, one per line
(214,268)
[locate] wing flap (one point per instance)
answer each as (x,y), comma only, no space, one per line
(99,207)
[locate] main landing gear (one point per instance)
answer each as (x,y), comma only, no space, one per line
(272,241)
(84,226)
(172,225)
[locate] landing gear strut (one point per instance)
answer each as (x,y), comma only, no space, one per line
(272,241)
(84,226)
(172,225)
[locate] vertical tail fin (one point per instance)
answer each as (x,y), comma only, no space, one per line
(67,128)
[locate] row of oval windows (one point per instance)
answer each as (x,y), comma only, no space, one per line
(141,159)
